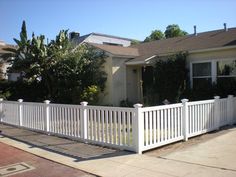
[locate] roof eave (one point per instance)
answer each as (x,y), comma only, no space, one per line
(212,49)
(107,35)
(144,62)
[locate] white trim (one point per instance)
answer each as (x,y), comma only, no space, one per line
(226,76)
(214,71)
(201,61)
(146,61)
(200,77)
(212,49)
(191,75)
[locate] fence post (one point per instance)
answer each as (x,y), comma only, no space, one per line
(46,120)
(138,129)
(1,110)
(84,120)
(217,112)
(230,109)
(185,119)
(20,112)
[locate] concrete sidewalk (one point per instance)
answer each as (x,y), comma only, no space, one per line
(79,151)
(215,157)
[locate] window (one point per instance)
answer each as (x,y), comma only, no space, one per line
(226,73)
(226,68)
(202,69)
(201,74)
(222,72)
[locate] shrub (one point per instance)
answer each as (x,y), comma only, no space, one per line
(90,94)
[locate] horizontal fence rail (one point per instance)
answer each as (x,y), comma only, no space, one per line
(136,129)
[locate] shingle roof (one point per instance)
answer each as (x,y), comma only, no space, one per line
(118,50)
(2,47)
(205,40)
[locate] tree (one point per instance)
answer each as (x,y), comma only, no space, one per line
(79,76)
(1,72)
(174,31)
(67,73)
(135,42)
(155,35)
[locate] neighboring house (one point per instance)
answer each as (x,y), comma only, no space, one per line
(99,38)
(5,64)
(209,54)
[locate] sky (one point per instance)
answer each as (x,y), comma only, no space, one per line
(133,19)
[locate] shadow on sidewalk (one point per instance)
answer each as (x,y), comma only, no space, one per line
(63,146)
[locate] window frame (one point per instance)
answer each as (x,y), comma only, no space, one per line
(200,77)
(214,75)
(226,76)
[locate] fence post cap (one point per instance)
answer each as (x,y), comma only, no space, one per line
(1,99)
(230,96)
(20,100)
(84,103)
(138,105)
(184,100)
(47,101)
(216,97)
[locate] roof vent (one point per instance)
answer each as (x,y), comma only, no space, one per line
(225,27)
(74,35)
(195,30)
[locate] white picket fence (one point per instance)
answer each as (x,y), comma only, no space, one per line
(136,129)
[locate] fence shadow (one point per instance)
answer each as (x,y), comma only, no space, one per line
(77,150)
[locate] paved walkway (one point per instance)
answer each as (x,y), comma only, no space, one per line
(215,157)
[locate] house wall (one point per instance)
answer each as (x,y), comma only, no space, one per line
(118,80)
(105,98)
(115,90)
(211,55)
(100,39)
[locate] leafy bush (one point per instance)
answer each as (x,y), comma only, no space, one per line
(90,94)
(126,103)
(170,77)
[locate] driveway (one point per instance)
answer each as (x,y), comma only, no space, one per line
(217,153)
(213,156)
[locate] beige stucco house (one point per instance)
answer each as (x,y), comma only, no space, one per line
(4,64)
(208,53)
(99,38)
